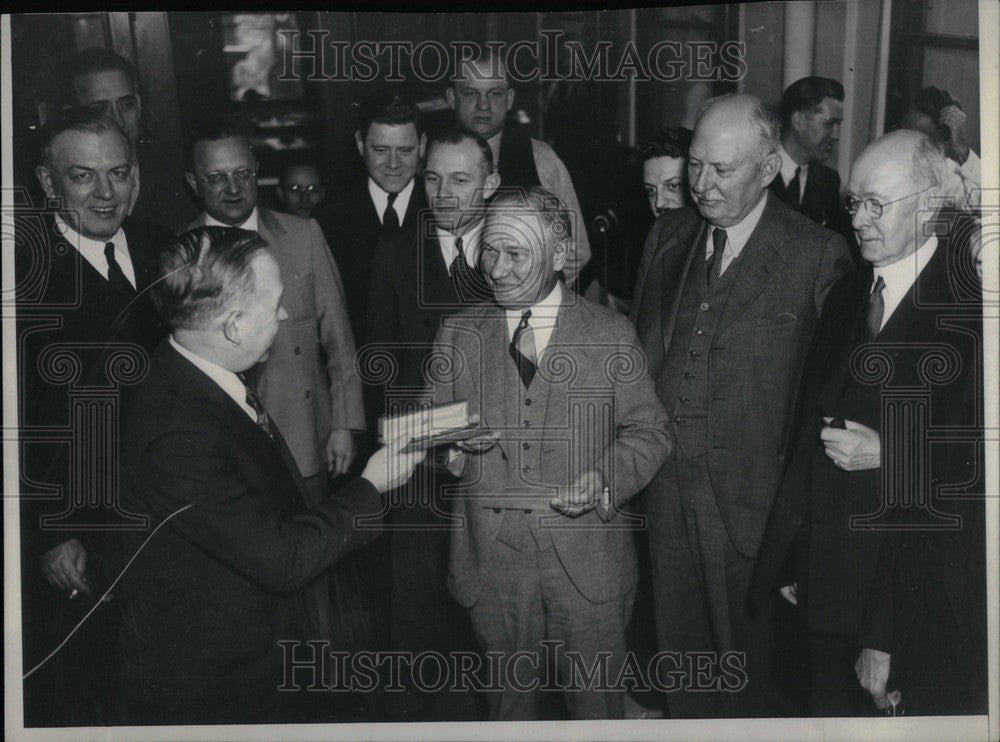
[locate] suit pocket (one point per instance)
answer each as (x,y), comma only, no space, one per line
(779,320)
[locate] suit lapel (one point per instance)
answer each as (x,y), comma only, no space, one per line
(679,255)
(758,265)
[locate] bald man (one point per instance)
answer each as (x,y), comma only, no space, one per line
(728,295)
(482,97)
(902,613)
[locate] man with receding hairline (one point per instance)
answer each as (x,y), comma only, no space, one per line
(482,97)
(728,294)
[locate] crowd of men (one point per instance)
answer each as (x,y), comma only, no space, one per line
(788,418)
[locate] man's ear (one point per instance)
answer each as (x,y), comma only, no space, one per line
(491,185)
(449,94)
(560,253)
(359,142)
(191,181)
(770,169)
(45,179)
(422,147)
(232,327)
(510,98)
(798,120)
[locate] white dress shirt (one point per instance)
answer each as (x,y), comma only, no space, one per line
(541,322)
(93,250)
(228,381)
(901,275)
(788,166)
(737,235)
(250,223)
(470,245)
(381,200)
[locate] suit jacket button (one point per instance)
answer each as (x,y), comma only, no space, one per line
(526,423)
(308,393)
(678,420)
(688,375)
(705,306)
(497,511)
(526,446)
(298,350)
(699,331)
(693,353)
(525,468)
(527,402)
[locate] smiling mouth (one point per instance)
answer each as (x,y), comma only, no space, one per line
(104,210)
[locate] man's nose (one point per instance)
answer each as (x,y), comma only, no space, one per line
(835,132)
(482,103)
(233,186)
(500,267)
(662,198)
(394,160)
(861,217)
(701,181)
(102,188)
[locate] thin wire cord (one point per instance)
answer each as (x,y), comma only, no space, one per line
(106,592)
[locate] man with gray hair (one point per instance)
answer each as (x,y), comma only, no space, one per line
(728,295)
(240,566)
(890,573)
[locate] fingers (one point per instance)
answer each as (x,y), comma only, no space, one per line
(573,511)
(788,592)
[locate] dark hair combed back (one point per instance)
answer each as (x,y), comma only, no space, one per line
(386,107)
(806,94)
(90,61)
(536,200)
(455,134)
(930,101)
(673,142)
(83,119)
(202,272)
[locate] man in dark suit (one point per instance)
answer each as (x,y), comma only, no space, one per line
(84,319)
(417,279)
(726,302)
(812,110)
(887,531)
(104,80)
(231,565)
(540,556)
(386,201)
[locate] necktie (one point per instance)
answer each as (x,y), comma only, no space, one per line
(390,219)
(875,312)
(793,190)
(522,349)
(463,276)
(715,262)
(116,277)
(263,419)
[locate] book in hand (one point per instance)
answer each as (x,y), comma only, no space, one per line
(430,426)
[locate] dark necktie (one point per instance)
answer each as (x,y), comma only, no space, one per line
(793,191)
(522,350)
(390,219)
(116,277)
(463,275)
(263,419)
(715,262)
(875,312)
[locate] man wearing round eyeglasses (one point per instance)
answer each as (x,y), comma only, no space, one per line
(892,582)
(308,383)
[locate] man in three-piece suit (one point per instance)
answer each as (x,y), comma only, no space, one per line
(232,562)
(575,430)
(383,204)
(891,585)
(812,110)
(417,279)
(82,310)
(309,379)
(725,305)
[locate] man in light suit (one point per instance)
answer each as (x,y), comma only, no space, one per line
(309,379)
(727,298)
(231,561)
(561,383)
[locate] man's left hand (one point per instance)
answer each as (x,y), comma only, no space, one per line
(582,495)
(855,447)
(872,669)
(954,118)
(340,451)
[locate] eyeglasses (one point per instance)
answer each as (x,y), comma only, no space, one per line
(218,180)
(874,208)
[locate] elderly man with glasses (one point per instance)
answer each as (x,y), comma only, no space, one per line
(882,497)
(307,382)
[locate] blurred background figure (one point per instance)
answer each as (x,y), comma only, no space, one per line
(300,189)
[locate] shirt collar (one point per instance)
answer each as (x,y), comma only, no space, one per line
(250,223)
(543,313)
(788,165)
(470,243)
(902,274)
(381,199)
(228,381)
(494,142)
(86,245)
(738,234)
